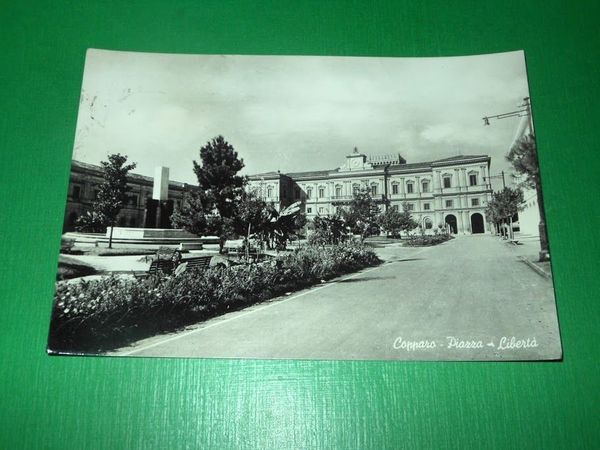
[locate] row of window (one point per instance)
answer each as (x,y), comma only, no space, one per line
(410,187)
(426,206)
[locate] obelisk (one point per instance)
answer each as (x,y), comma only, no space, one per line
(160,192)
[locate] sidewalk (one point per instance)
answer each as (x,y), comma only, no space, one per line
(527,250)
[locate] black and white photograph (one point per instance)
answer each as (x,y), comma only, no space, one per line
(305,207)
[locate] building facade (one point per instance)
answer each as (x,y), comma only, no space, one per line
(83,189)
(451,193)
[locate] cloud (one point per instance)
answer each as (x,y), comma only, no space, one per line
(294,113)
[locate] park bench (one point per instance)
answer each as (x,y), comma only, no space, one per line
(158,266)
(198,262)
(168,267)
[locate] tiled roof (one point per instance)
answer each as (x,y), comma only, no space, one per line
(460,158)
(418,165)
(313,173)
(395,167)
(264,175)
(132,176)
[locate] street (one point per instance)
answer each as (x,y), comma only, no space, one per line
(467,299)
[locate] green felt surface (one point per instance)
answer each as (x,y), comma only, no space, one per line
(85,403)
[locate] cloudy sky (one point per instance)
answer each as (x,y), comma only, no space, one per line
(295,113)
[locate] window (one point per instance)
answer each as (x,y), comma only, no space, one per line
(308,193)
(428,223)
(447,181)
(425,186)
(308,210)
(355,188)
(321,210)
(395,207)
(321,192)
(394,188)
(132,200)
(374,189)
(409,187)
(338,191)
(474,202)
(76,192)
(473,179)
(269,192)
(426,206)
(449,203)
(410,207)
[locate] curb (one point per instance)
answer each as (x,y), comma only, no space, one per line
(536,268)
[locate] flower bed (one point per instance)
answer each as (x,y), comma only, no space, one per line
(108,313)
(427,240)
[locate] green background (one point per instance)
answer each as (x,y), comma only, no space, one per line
(62,402)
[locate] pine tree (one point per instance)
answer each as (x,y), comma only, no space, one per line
(217,174)
(213,207)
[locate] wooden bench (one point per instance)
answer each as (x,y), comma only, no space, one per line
(199,262)
(163,267)
(159,266)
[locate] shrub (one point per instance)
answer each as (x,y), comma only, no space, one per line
(107,313)
(66,245)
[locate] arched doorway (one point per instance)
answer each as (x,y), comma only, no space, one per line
(427,223)
(451,220)
(477,224)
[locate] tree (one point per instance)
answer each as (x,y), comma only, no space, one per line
(284,224)
(523,157)
(192,214)
(112,194)
(91,222)
(328,230)
(217,174)
(362,214)
(407,223)
(504,204)
(211,209)
(391,221)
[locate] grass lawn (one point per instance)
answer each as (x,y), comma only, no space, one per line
(71,268)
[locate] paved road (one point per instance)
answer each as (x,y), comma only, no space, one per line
(472,289)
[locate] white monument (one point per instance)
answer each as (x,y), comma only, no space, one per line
(160,190)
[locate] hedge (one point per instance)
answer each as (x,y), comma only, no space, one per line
(99,315)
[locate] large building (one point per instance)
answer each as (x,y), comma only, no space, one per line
(451,192)
(83,189)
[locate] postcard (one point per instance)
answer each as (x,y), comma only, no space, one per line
(305,207)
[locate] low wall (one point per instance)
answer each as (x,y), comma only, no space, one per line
(149,233)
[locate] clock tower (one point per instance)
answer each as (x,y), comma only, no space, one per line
(356,161)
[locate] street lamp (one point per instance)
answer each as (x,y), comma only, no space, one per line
(524,111)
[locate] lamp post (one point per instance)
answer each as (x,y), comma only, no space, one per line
(525,110)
